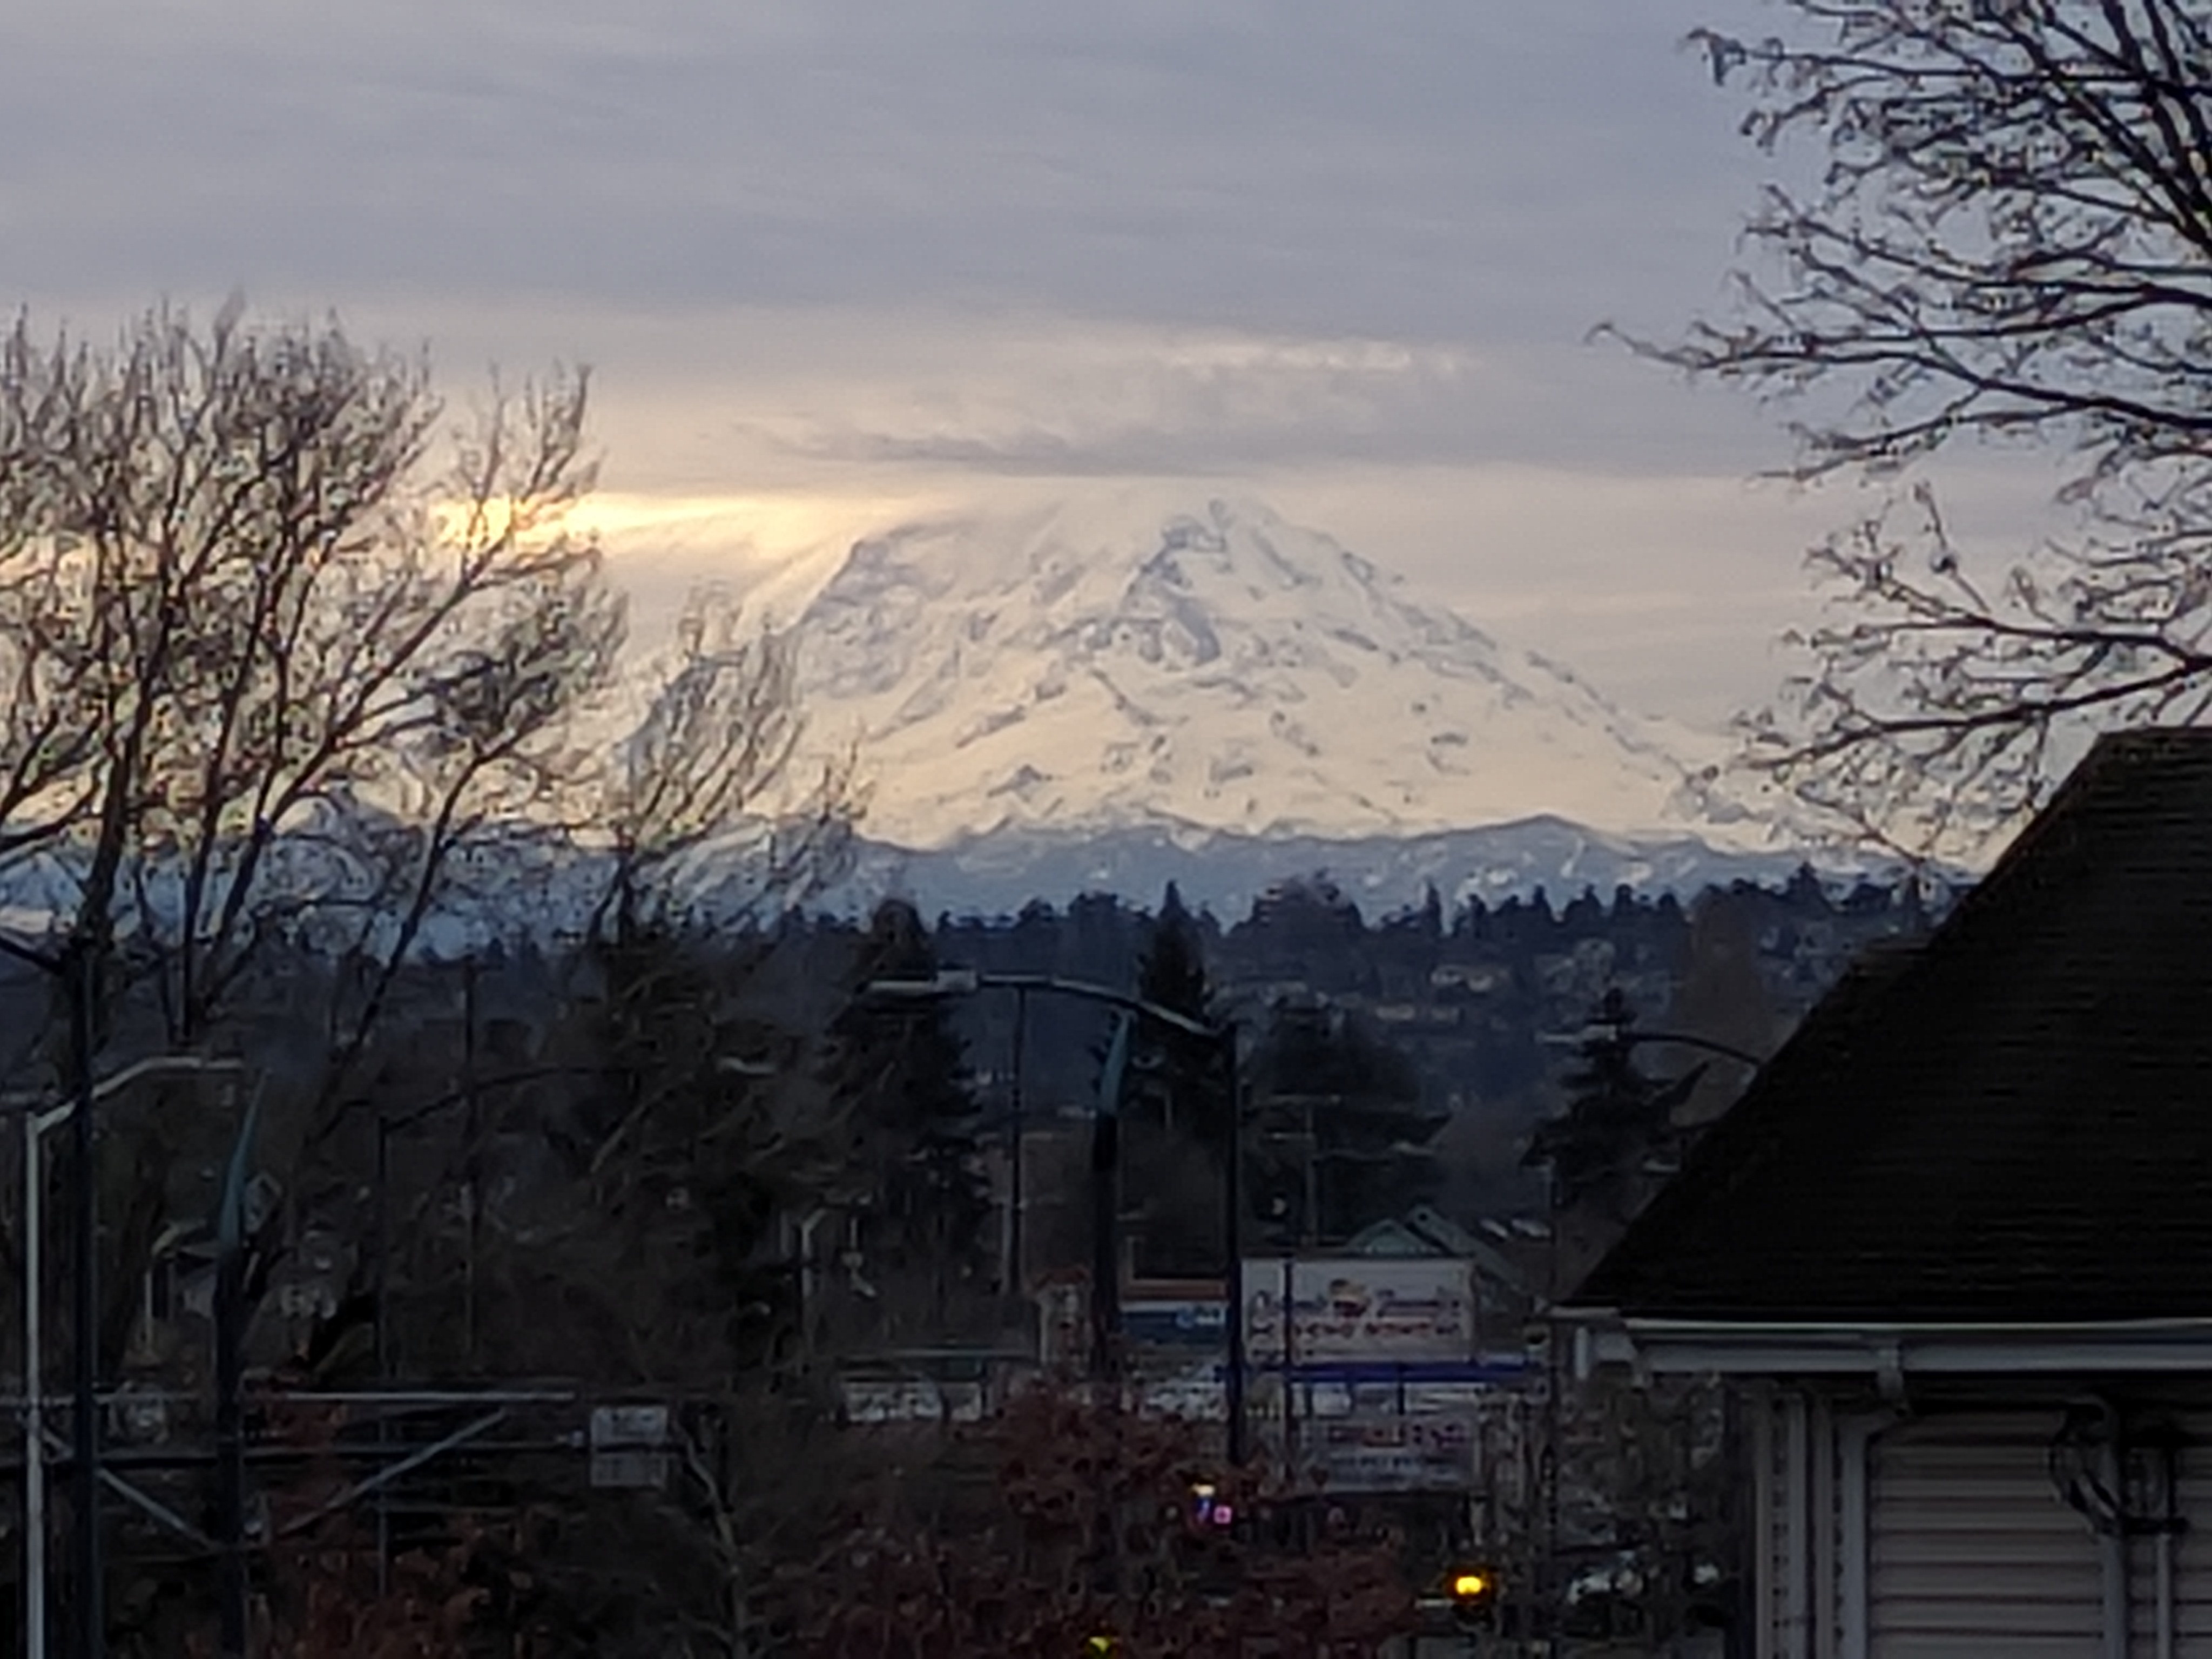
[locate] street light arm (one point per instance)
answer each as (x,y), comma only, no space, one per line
(966,981)
(1728,1051)
(152,1065)
(1602,1033)
(162,1066)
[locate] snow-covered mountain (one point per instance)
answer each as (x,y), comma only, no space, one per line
(1107,696)
(1096,668)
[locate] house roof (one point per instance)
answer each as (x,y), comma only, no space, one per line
(1424,1230)
(2012,1123)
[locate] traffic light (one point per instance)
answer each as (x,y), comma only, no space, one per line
(1101,1647)
(1473,1595)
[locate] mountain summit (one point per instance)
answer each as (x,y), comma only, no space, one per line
(1094,668)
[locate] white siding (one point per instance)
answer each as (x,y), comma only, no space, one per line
(1971,1552)
(2190,1576)
(1943,1536)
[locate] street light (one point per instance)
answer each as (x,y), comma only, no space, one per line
(967,982)
(36,1123)
(1620,1031)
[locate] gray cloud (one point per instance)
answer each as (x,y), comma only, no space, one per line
(1540,405)
(1403,168)
(829,251)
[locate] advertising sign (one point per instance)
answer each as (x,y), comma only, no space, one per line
(625,1446)
(1359,1308)
(1180,1323)
(1389,1453)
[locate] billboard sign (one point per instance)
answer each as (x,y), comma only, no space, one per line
(1180,1322)
(1359,1308)
(625,1446)
(1389,1453)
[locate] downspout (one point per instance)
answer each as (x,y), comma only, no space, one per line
(1763,1523)
(1821,1643)
(2170,1523)
(1797,1492)
(2112,1539)
(1852,1613)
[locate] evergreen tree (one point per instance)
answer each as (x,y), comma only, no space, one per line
(1617,1122)
(690,1179)
(1178,1082)
(1584,916)
(897,1066)
(1345,1134)
(1722,994)
(1177,1105)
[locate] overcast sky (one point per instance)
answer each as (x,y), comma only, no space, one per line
(834,263)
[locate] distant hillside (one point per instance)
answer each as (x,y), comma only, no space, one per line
(998,872)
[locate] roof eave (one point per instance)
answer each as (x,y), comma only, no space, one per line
(1887,1351)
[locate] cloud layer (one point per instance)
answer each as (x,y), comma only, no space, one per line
(1401,169)
(833,259)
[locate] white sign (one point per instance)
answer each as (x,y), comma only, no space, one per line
(1379,1310)
(869,1401)
(628,1425)
(1389,1453)
(630,1468)
(623,1438)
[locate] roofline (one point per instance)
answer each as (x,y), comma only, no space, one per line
(1888,1351)
(1740,1149)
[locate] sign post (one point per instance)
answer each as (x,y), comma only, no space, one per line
(1358,1322)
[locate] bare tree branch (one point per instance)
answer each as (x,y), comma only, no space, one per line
(2011,238)
(238,609)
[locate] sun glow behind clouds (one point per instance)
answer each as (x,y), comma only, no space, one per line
(772,549)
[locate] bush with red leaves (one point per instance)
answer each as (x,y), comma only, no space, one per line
(1087,1528)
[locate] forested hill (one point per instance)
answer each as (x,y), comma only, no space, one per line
(1485,1003)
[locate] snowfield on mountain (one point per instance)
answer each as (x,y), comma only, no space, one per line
(1098,666)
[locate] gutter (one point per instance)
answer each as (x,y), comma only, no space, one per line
(1887,1351)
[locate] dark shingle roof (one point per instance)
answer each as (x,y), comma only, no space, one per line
(2014,1123)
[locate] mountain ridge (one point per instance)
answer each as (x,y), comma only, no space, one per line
(998,873)
(1096,666)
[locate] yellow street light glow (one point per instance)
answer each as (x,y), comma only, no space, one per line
(1469,1585)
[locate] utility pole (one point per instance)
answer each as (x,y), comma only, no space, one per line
(1105,1139)
(1291,1368)
(229,1407)
(1013,1276)
(1106,1153)
(229,1452)
(383,1335)
(1105,1213)
(74,1108)
(91,1587)
(1232,1204)
(35,1427)
(471,1168)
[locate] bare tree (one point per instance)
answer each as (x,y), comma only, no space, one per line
(2010,238)
(281,649)
(714,759)
(272,662)
(270,667)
